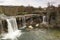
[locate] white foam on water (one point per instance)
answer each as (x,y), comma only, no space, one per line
(37,25)
(12,35)
(30,27)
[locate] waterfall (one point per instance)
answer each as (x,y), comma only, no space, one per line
(44,20)
(13,31)
(12,25)
(23,22)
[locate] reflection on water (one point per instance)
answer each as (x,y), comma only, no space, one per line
(40,34)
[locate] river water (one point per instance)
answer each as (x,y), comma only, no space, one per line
(40,34)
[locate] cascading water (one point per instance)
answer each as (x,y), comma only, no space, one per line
(13,31)
(23,22)
(44,20)
(12,26)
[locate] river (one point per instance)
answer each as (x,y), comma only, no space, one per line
(40,34)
